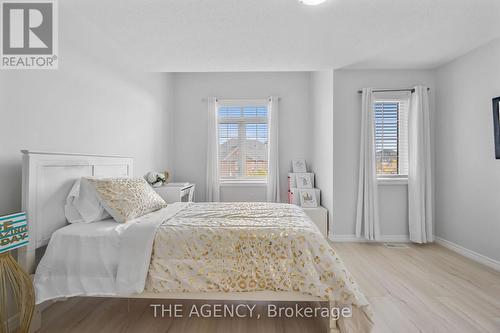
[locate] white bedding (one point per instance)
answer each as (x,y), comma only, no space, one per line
(101,258)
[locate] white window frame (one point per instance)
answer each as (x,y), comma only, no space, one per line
(385,97)
(242,135)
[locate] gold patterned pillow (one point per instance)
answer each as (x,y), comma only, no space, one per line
(126,198)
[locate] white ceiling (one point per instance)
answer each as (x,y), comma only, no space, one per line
(240,35)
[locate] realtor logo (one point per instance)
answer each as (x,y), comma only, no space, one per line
(29,34)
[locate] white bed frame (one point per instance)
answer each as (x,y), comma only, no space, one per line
(46,180)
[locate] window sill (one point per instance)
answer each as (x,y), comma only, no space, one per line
(242,183)
(392,181)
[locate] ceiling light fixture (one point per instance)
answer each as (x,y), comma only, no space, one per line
(312,2)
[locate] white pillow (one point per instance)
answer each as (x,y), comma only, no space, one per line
(82,204)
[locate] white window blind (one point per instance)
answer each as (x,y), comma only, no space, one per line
(243,138)
(391,134)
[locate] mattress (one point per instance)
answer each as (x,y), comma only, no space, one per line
(201,247)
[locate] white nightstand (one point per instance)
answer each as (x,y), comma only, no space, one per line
(176,192)
(319,215)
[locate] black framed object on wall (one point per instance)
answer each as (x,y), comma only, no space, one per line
(496,124)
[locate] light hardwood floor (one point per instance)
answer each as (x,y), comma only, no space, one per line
(415,289)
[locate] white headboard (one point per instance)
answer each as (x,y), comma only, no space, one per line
(47,180)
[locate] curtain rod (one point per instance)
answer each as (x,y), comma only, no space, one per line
(242,99)
(412,90)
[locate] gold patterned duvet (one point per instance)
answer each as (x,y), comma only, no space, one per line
(244,247)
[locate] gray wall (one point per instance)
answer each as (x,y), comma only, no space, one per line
(81,108)
(84,107)
(393,199)
(322,134)
(468,175)
(190,117)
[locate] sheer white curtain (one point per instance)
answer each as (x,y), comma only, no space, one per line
(273,176)
(367,215)
(419,168)
(213,186)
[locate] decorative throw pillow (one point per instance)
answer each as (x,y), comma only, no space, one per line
(127,198)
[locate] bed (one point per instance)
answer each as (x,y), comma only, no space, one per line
(207,251)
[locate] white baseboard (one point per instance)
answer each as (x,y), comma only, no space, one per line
(492,263)
(383,239)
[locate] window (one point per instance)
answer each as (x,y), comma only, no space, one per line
(391,136)
(243,138)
